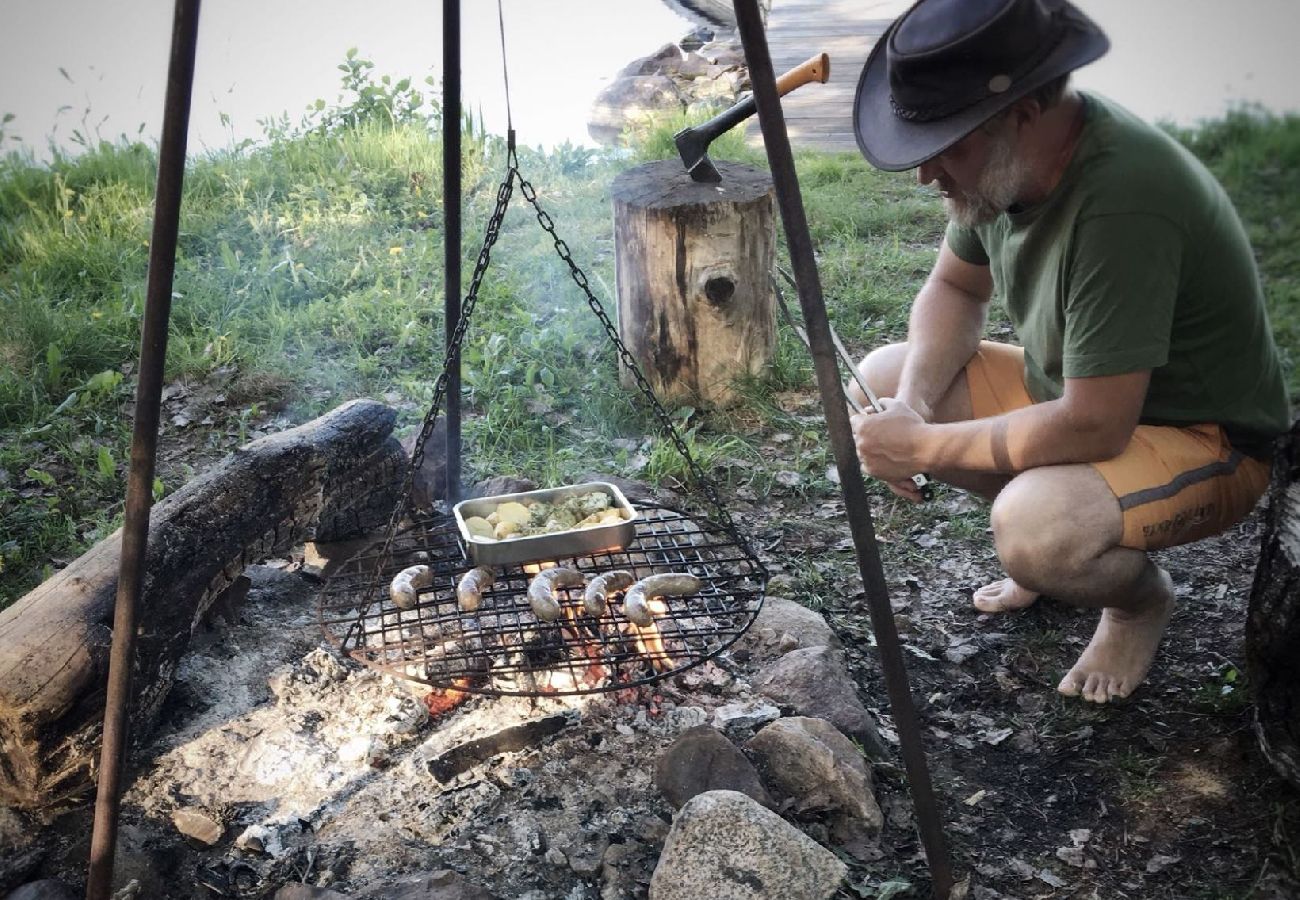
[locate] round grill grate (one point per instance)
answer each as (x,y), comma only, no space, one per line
(502,648)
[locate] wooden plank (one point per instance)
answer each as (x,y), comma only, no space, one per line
(820,117)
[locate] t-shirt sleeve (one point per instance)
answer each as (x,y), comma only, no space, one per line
(966,244)
(1122,288)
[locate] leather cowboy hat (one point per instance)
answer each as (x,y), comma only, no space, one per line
(945,67)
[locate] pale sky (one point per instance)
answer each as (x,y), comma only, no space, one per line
(1174,59)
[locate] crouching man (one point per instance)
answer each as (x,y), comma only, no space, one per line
(1139,410)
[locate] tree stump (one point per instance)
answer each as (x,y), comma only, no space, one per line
(1273,624)
(322,479)
(696,307)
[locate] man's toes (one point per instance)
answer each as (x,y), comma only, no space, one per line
(1071,684)
(1095,689)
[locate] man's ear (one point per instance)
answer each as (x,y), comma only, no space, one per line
(1025,112)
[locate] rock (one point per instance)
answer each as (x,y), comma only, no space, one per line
(780,617)
(443,884)
(47,889)
(261,839)
(633,490)
(306,892)
(743,715)
(198,826)
(503,484)
(702,759)
(663,60)
(812,681)
(430,482)
(725,846)
(629,101)
(697,38)
(724,53)
(811,762)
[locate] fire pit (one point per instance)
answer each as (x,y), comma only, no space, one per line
(502,648)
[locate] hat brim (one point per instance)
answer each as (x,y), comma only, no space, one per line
(896,144)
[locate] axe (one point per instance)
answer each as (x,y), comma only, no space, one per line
(693,143)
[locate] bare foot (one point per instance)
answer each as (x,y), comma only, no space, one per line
(1123,647)
(1003,596)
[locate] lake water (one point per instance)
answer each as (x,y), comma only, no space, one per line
(100,67)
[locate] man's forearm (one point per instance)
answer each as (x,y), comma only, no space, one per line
(943,333)
(1044,434)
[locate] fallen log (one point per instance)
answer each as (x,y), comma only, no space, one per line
(1273,623)
(336,475)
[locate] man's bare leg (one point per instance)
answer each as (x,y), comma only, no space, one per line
(1057,531)
(881,369)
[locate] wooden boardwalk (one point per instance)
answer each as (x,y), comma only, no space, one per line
(820,116)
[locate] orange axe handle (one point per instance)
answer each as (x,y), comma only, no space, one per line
(816,68)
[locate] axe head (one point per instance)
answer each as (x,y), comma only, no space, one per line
(693,147)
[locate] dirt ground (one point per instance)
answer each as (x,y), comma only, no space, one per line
(1164,795)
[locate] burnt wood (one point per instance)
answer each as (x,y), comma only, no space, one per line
(1273,624)
(696,307)
(332,477)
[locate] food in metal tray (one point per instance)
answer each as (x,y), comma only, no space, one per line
(469,591)
(406,584)
(636,602)
(541,590)
(514,519)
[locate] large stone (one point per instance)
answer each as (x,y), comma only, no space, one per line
(810,762)
(725,846)
(782,625)
(812,681)
(443,884)
(631,101)
(701,760)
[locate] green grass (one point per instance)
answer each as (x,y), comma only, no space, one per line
(309,272)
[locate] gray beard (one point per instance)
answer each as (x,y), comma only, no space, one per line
(1001,182)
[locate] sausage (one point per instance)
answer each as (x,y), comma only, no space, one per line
(469,591)
(636,604)
(406,585)
(602,586)
(541,591)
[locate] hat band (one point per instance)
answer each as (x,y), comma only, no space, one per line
(944,110)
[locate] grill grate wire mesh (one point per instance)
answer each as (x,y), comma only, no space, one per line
(502,648)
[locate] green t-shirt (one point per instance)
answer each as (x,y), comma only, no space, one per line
(1137,260)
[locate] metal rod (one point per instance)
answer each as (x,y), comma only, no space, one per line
(451,194)
(144,442)
(856,504)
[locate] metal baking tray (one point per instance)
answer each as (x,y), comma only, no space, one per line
(557,544)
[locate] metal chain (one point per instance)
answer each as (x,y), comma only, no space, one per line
(504,192)
(580,279)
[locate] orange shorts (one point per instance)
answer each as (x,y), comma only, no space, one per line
(1174,485)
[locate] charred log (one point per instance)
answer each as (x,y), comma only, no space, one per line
(1273,625)
(335,475)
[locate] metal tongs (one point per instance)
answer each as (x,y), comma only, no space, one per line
(922,482)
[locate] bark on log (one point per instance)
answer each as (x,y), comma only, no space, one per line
(1273,624)
(329,474)
(694,261)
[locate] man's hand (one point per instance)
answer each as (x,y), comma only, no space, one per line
(888,444)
